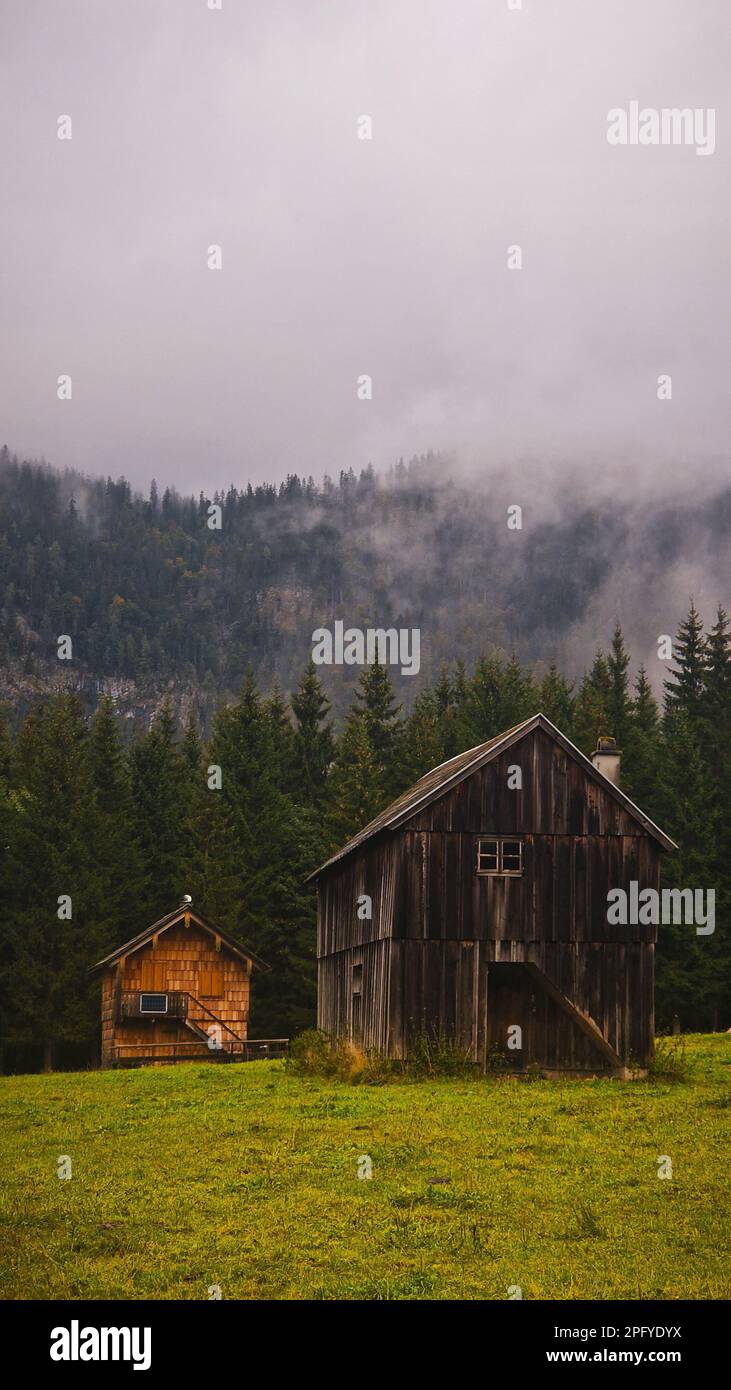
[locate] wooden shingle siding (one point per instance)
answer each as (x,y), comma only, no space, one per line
(180,960)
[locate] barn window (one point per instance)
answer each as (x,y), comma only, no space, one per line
(210,982)
(499,856)
(356,996)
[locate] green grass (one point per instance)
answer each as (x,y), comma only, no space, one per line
(247,1177)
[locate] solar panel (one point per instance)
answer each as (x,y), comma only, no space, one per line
(153,1003)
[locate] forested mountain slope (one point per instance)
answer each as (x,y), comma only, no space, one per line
(154,596)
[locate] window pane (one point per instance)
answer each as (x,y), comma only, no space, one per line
(153,1003)
(511,855)
(487,856)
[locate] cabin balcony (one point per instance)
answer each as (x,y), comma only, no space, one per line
(153,1004)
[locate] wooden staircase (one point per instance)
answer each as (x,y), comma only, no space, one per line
(582,1020)
(198,1019)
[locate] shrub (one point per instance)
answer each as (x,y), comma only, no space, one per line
(670,1061)
(434,1054)
(310,1054)
(315,1053)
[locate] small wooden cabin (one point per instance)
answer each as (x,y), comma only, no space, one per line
(179,991)
(475,907)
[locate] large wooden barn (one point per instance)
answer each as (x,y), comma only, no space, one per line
(475,907)
(179,991)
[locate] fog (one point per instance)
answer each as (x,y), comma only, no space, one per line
(344,256)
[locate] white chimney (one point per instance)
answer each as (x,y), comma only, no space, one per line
(606,758)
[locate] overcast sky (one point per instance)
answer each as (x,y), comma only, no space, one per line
(344,256)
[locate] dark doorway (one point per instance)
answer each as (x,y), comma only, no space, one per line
(512,1014)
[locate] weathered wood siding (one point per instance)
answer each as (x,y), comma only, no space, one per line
(373,870)
(557,798)
(448,987)
(361,972)
(437,925)
(560,896)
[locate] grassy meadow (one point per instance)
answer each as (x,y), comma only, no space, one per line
(246,1177)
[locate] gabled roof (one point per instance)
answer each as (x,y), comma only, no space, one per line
(170,920)
(441,779)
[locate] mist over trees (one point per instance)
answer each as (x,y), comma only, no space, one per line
(155,597)
(124,825)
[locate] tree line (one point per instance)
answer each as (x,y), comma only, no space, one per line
(124,823)
(195,590)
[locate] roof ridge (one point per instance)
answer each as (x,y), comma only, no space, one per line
(421,793)
(168,920)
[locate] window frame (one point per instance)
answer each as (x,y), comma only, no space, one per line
(153,994)
(499,841)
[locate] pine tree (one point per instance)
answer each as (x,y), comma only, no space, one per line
(356,791)
(422,743)
(276,713)
(481,711)
(443,694)
(49,956)
(253,857)
(374,705)
(9,816)
(717,695)
(160,782)
(591,711)
(685,690)
(457,729)
(314,745)
(555,699)
(641,754)
(192,749)
(619,704)
(117,854)
(517,695)
(717,744)
(692,971)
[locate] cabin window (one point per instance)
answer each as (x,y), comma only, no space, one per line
(210,982)
(499,856)
(152,975)
(356,999)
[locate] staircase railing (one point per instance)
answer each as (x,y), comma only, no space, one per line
(187,1008)
(178,1007)
(213,1016)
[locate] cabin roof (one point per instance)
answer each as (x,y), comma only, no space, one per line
(169,920)
(441,779)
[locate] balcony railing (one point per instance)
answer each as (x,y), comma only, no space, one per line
(254,1050)
(221,1044)
(131,1001)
